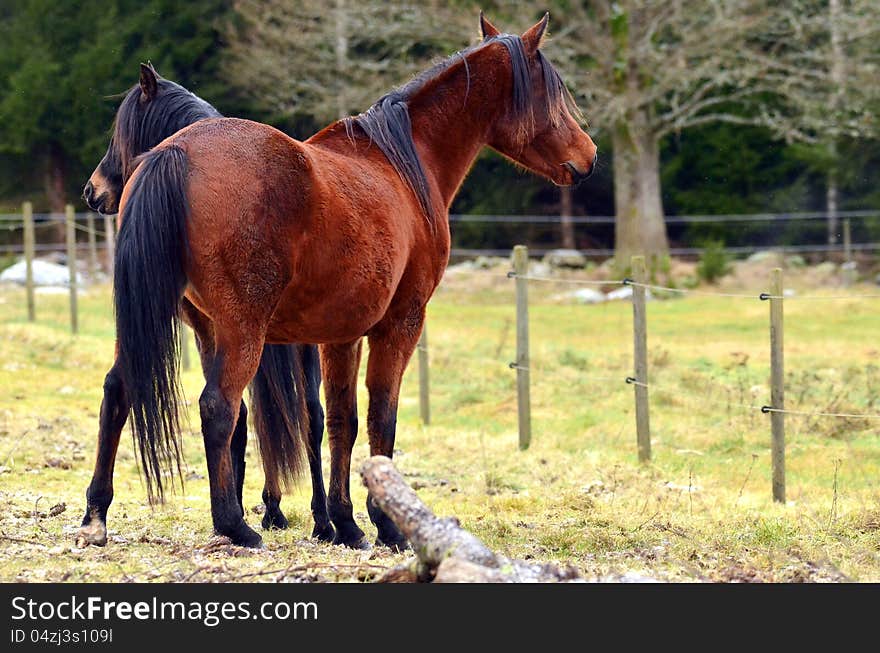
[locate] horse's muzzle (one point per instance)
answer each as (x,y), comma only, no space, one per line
(578,175)
(94,203)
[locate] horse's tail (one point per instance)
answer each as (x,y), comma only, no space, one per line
(278,407)
(149,278)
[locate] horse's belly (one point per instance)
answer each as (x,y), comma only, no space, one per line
(304,316)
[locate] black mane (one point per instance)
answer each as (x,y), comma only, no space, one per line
(140,126)
(387,122)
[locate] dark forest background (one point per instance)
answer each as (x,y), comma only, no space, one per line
(63,66)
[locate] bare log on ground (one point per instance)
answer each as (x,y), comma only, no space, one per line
(445,552)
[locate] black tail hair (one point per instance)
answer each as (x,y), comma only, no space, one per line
(149,278)
(278,407)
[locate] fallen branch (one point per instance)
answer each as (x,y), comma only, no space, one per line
(8,538)
(445,552)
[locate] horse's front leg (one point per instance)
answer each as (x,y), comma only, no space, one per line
(339,367)
(391,346)
(114,413)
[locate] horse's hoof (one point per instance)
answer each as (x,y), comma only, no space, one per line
(275,521)
(359,544)
(244,535)
(94,533)
(396,546)
(324,533)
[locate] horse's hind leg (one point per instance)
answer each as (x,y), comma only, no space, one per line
(391,345)
(323,529)
(114,412)
(339,367)
(204,331)
(235,362)
(274,517)
(237,449)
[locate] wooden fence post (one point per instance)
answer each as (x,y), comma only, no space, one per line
(424,382)
(93,246)
(27,210)
(777,385)
(110,239)
(183,335)
(523,400)
(849,271)
(640,359)
(70,218)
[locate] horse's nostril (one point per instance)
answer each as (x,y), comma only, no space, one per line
(592,166)
(88,192)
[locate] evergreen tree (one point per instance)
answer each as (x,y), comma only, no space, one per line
(62,66)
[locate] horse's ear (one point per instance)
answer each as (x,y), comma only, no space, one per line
(149,82)
(533,36)
(487,29)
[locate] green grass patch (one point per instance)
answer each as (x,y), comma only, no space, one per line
(702,510)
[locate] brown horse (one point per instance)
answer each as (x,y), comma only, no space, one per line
(325,241)
(151,111)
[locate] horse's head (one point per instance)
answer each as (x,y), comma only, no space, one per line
(538,130)
(152,111)
(104,187)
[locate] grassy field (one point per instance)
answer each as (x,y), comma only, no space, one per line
(701,511)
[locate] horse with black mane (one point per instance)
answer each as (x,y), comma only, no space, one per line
(285,392)
(327,241)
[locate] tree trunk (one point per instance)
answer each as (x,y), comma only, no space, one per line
(566,226)
(837,75)
(831,208)
(55,181)
(639,225)
(341,51)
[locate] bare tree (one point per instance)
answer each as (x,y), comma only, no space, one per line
(649,68)
(332,59)
(837,64)
(831,79)
(643,69)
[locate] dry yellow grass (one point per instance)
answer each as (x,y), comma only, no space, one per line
(701,510)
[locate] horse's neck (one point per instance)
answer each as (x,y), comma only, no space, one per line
(451,121)
(191,111)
